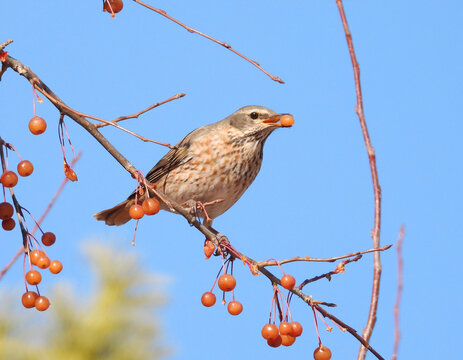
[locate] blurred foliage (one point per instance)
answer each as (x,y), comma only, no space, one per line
(117,322)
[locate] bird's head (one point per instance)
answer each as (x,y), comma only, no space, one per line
(254,120)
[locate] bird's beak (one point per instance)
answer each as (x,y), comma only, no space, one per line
(280,120)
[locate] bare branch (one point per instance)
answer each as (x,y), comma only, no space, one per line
(399,292)
(375,234)
(136,115)
(228,46)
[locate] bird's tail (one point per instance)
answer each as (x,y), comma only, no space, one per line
(117,215)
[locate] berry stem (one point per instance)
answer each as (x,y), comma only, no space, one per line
(316,327)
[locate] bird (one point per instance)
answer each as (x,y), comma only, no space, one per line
(211,166)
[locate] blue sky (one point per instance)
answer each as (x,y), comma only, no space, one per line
(313,195)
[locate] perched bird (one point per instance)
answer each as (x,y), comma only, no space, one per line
(213,165)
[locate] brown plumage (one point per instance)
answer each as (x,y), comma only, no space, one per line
(214,162)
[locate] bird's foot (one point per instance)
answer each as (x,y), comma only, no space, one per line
(198,209)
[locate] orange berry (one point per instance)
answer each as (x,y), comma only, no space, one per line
(286,120)
(116,5)
(43,262)
(226,282)
(287,340)
(208,299)
(322,353)
(6,210)
(270,331)
(9,179)
(8,224)
(48,238)
(33,277)
(235,307)
(35,256)
(209,248)
(28,299)
(136,211)
(288,282)
(151,206)
(296,329)
(37,125)
(275,342)
(285,328)
(42,303)
(25,168)
(55,267)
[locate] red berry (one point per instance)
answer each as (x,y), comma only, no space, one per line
(285,121)
(296,329)
(43,262)
(151,206)
(287,340)
(235,307)
(42,303)
(8,224)
(208,299)
(25,168)
(116,5)
(136,211)
(6,210)
(285,328)
(227,282)
(33,277)
(37,125)
(48,239)
(288,282)
(35,256)
(322,353)
(55,267)
(270,331)
(275,342)
(9,179)
(28,299)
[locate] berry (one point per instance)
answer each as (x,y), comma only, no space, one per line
(209,248)
(208,299)
(42,303)
(37,125)
(286,121)
(33,277)
(285,328)
(8,224)
(274,342)
(322,353)
(136,212)
(6,210)
(287,340)
(43,262)
(55,267)
(288,282)
(25,168)
(28,299)
(227,282)
(9,179)
(235,307)
(48,239)
(270,331)
(116,6)
(35,256)
(151,206)
(296,329)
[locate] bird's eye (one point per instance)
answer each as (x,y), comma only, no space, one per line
(254,115)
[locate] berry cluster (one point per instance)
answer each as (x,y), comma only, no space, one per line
(149,206)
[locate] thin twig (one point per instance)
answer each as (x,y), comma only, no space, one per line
(332,259)
(136,115)
(5,44)
(228,46)
(399,292)
(375,234)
